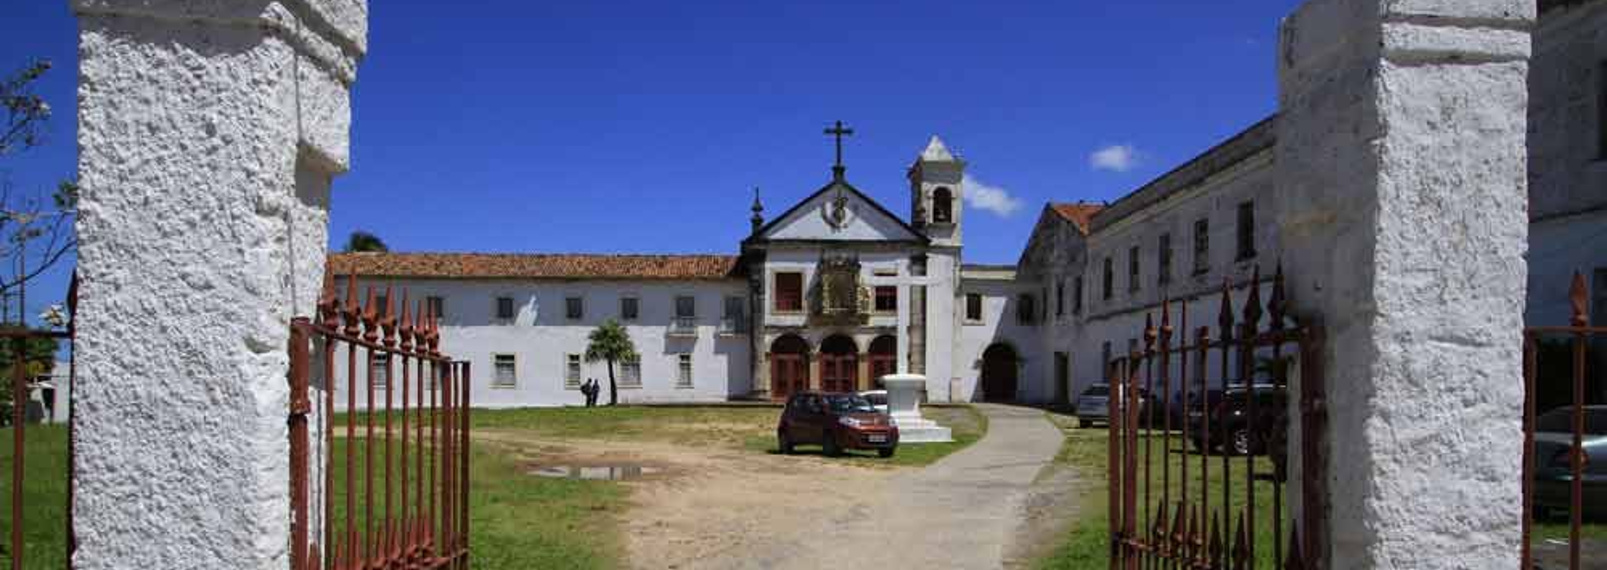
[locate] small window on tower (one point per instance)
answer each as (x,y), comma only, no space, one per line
(973,307)
(942,206)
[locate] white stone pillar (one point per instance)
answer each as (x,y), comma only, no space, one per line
(208,135)
(1402,165)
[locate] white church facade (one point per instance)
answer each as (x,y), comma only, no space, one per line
(831,294)
(838,290)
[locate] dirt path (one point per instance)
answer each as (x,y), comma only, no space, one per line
(800,512)
(991,505)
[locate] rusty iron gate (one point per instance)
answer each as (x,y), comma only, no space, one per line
(16,342)
(1176,507)
(393,447)
(1557,479)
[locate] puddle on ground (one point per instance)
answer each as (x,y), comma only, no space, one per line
(622,472)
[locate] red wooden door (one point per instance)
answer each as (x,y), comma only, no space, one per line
(788,375)
(839,372)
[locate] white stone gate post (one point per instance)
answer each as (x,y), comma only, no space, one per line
(1402,161)
(208,136)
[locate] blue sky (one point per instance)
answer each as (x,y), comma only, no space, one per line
(602,126)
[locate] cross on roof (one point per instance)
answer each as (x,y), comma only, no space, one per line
(839,131)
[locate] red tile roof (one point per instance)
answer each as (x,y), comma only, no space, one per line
(1080,214)
(534,266)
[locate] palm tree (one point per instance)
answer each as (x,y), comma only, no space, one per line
(364,241)
(610,343)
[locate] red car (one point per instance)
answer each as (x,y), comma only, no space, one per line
(836,422)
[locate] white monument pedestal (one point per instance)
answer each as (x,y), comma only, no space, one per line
(904,404)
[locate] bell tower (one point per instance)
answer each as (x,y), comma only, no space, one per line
(937,194)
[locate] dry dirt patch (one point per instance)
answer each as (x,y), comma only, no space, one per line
(704,500)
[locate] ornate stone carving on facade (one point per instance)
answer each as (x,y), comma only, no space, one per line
(840,297)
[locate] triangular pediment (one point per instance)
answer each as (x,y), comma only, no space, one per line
(839,212)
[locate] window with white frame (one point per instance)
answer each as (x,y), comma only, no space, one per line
(572,370)
(630,373)
(574,308)
(506,371)
(683,377)
(505,308)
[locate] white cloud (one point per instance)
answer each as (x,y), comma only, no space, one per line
(988,198)
(1115,158)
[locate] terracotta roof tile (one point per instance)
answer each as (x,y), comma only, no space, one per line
(534,266)
(1080,214)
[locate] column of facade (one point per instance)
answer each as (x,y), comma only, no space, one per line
(864,382)
(1401,166)
(814,367)
(209,134)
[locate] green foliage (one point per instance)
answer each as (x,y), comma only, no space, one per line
(40,356)
(26,112)
(612,344)
(361,241)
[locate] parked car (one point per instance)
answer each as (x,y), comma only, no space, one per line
(1231,419)
(1093,405)
(877,399)
(835,421)
(1553,470)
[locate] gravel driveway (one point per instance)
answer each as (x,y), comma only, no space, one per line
(804,512)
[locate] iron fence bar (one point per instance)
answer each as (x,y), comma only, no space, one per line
(405,342)
(1252,318)
(1225,326)
(387,325)
(72,432)
(1147,411)
(299,444)
(1530,355)
(19,406)
(1114,479)
(1577,460)
(463,545)
(1184,504)
(1204,336)
(352,329)
(1164,338)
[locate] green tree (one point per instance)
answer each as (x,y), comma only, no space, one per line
(40,358)
(610,343)
(363,241)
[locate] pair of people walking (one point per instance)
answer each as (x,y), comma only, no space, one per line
(592,390)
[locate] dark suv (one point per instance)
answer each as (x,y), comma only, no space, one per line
(1231,419)
(836,422)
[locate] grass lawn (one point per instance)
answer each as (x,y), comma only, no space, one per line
(1087,543)
(517,520)
(747,427)
(44,496)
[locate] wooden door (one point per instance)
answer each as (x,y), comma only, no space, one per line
(789,374)
(839,372)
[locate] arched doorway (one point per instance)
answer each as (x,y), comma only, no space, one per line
(839,364)
(789,366)
(999,366)
(883,358)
